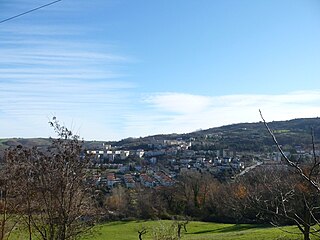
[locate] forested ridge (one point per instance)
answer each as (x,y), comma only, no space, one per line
(239,137)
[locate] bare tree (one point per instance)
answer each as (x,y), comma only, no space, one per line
(309,174)
(17,169)
(293,193)
(8,204)
(53,184)
(171,231)
(142,231)
(181,224)
(165,232)
(195,188)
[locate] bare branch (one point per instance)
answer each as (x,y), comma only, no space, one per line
(287,160)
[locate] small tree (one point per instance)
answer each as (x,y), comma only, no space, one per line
(142,231)
(171,231)
(181,225)
(165,232)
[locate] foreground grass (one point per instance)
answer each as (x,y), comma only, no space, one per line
(122,230)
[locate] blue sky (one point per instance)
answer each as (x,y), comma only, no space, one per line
(111,69)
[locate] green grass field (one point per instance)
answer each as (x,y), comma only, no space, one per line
(196,231)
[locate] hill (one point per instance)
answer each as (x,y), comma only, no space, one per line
(243,136)
(254,136)
(238,137)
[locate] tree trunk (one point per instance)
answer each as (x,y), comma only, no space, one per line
(179,230)
(306,232)
(307,222)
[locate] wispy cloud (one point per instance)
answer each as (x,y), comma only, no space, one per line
(180,112)
(49,69)
(55,63)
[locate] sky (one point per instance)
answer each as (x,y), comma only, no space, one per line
(112,69)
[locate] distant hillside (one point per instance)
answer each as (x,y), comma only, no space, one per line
(239,137)
(244,136)
(254,136)
(28,142)
(39,142)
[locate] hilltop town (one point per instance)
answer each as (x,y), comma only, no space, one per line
(225,153)
(158,160)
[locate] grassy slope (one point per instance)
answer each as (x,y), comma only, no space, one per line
(196,231)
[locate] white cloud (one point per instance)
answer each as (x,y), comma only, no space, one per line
(178,102)
(113,113)
(178,112)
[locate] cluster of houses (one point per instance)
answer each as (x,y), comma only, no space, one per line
(163,161)
(160,164)
(111,180)
(109,156)
(298,153)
